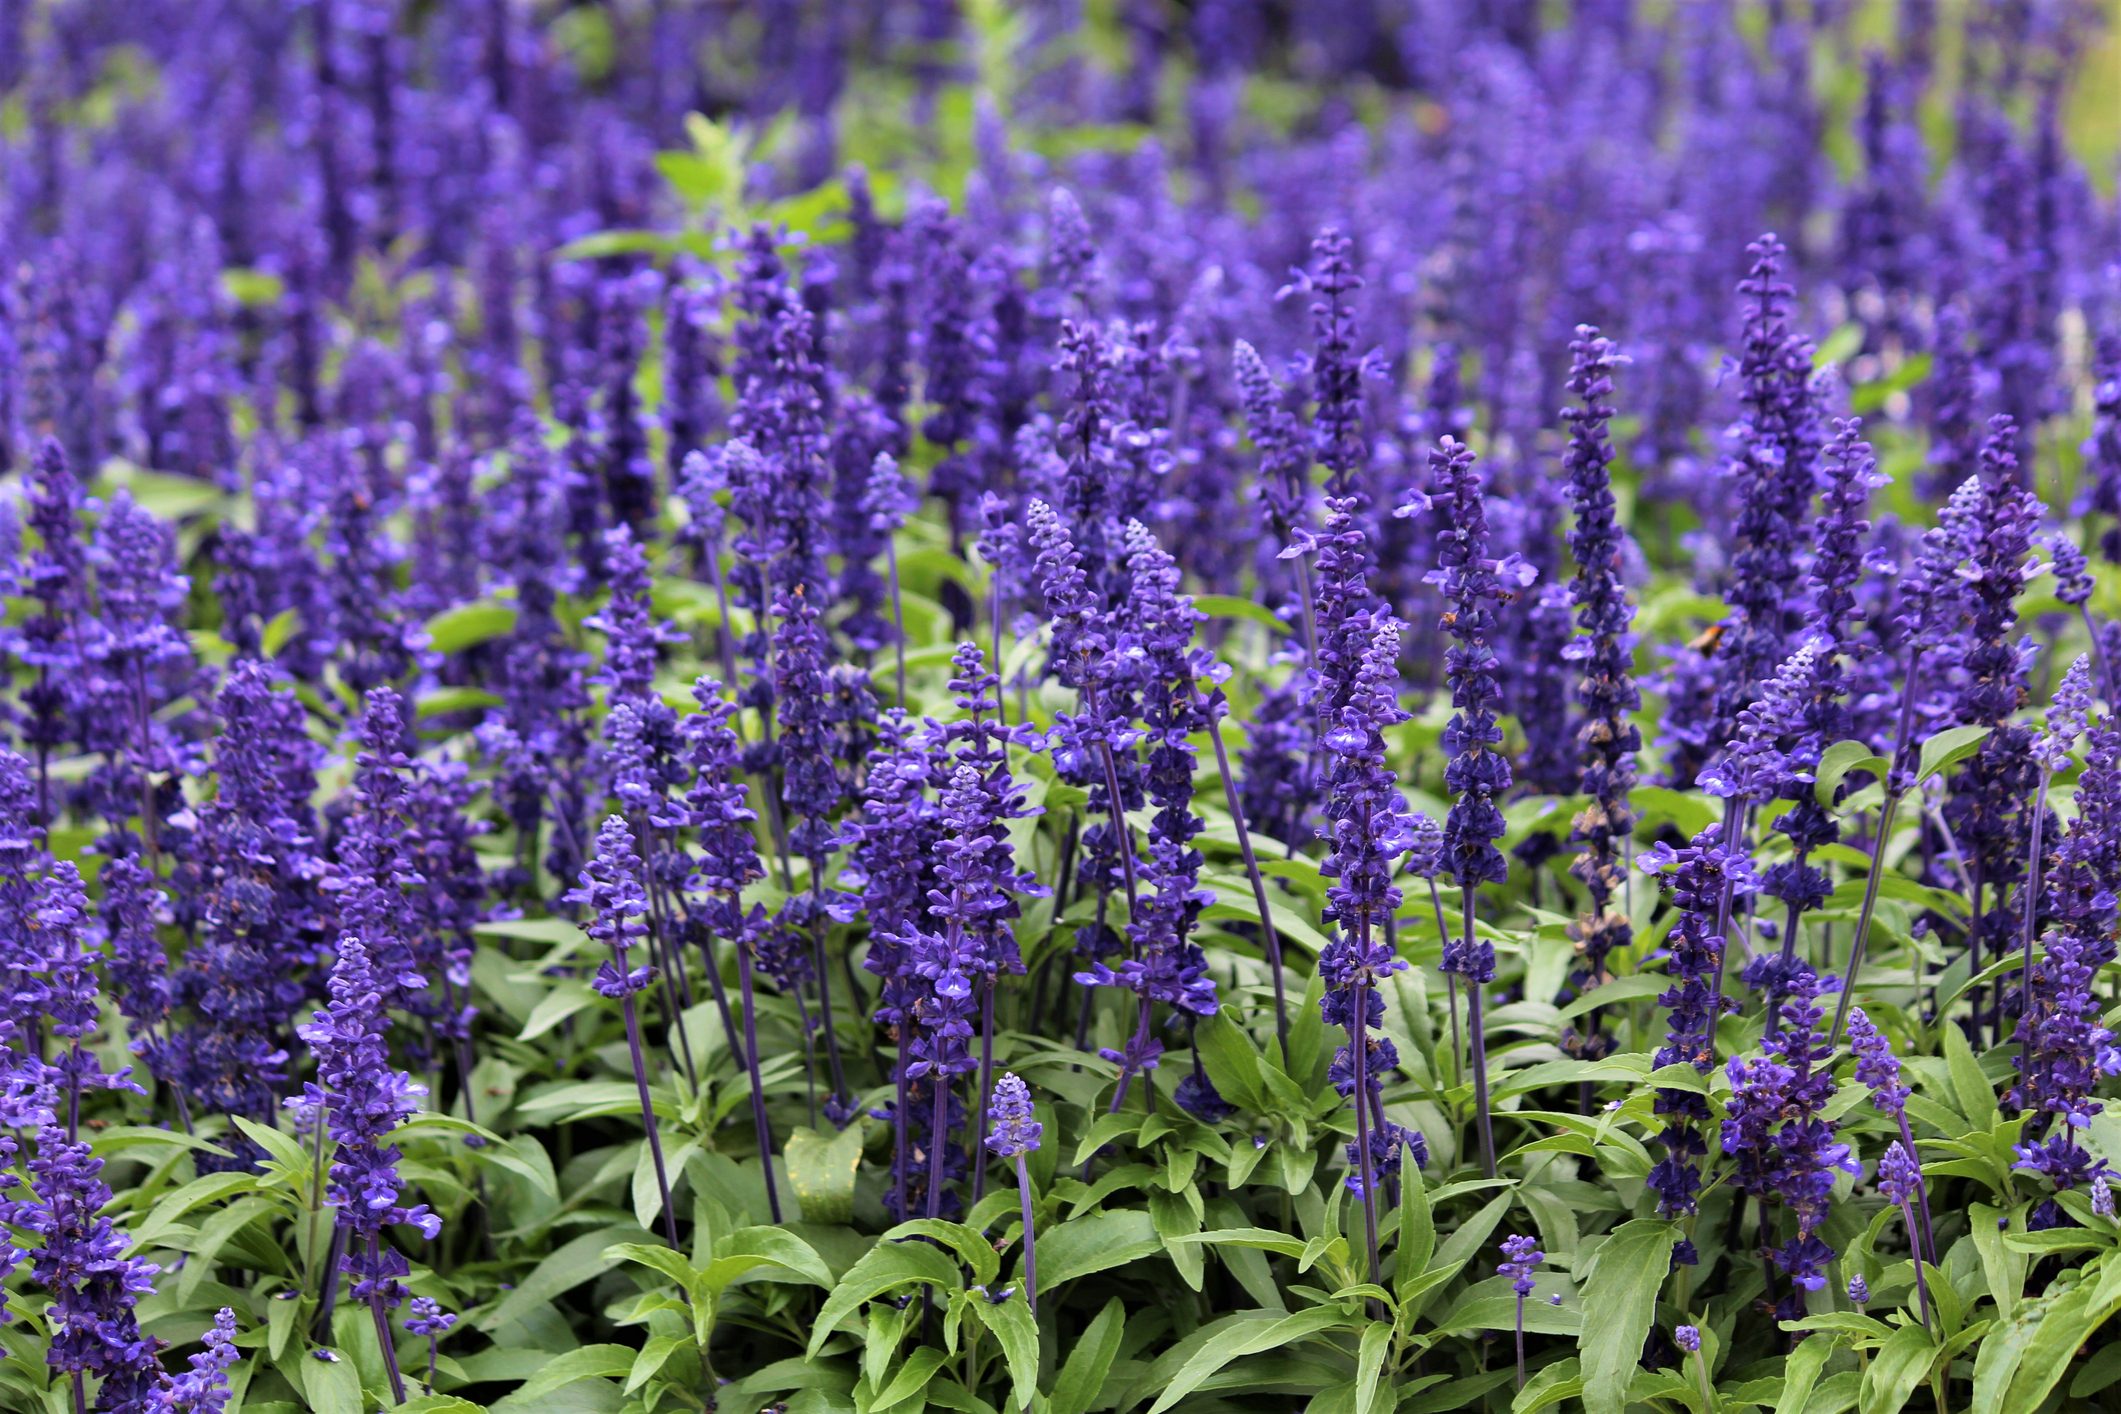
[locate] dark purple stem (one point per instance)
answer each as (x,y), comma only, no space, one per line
(1477,1035)
(655,1138)
(1023,1189)
(390,1349)
(1259,887)
(986,1078)
(758,1091)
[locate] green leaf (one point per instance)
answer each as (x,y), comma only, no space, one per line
(1800,1372)
(911,1379)
(568,996)
(1014,1328)
(1370,1363)
(1232,1061)
(467,625)
(653,1357)
(1897,1368)
(1559,1381)
(885,1267)
(589,1362)
(332,1386)
(2070,1321)
(766,1246)
(1837,761)
(1229,606)
(1619,1301)
(1977,1099)
(1247,1333)
(821,1169)
(1947,749)
(564,1270)
(1095,1242)
(1082,1374)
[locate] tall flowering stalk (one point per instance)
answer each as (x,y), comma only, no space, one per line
(1931,606)
(887,500)
(203,1389)
(1479,772)
(1986,809)
(1086,741)
(2065,1051)
(1368,834)
(1520,1262)
(890,845)
(717,803)
(611,894)
(978,741)
(1698,877)
(1155,632)
(94,1286)
(1608,739)
(1782,1146)
(811,788)
(362,1099)
(1758,768)
(2068,716)
(967,894)
(1900,1172)
(1015,1132)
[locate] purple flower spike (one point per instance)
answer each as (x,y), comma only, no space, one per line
(1521,1259)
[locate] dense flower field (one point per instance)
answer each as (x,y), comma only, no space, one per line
(1053,708)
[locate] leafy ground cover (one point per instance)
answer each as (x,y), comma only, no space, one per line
(1062,709)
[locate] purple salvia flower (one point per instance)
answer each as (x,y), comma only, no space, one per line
(1478,774)
(1706,872)
(132,911)
(430,1320)
(1608,739)
(62,992)
(2064,1050)
(94,1286)
(886,502)
(1014,1133)
(611,896)
(1521,1259)
(1775,446)
(1783,1149)
(49,640)
(1879,1068)
(247,885)
(1987,805)
(632,634)
(1687,1338)
(812,788)
(365,1098)
(1337,370)
(1284,481)
(1154,639)
(203,1389)
(1369,833)
(717,803)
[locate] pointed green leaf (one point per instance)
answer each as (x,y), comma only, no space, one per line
(1620,1289)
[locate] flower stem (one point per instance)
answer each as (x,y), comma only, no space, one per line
(2031,891)
(383,1338)
(898,615)
(1023,1189)
(1359,1053)
(1479,1058)
(1259,887)
(655,1139)
(759,1121)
